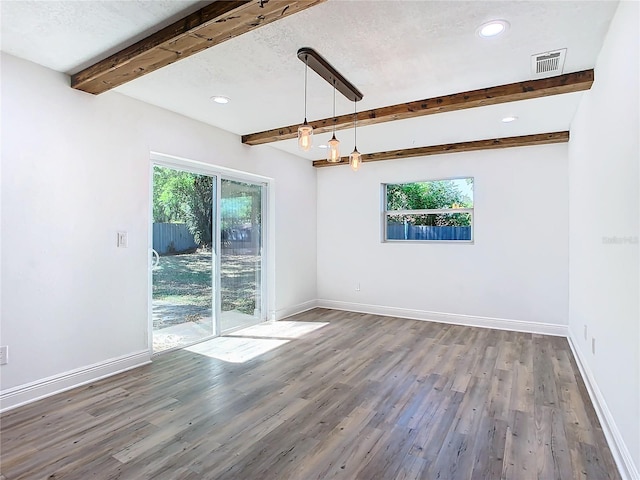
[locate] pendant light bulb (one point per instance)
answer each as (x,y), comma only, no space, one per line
(305,131)
(305,136)
(333,155)
(355,160)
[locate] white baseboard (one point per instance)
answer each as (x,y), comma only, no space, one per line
(30,392)
(621,454)
(452,318)
(293,310)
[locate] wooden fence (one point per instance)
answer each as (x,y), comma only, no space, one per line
(171,238)
(406,231)
(241,240)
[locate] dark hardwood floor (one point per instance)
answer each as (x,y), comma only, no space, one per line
(364,397)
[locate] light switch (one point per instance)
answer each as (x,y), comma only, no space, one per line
(122,240)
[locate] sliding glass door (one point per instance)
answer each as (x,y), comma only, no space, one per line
(183,271)
(207,256)
(240,254)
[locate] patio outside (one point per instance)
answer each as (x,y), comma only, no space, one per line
(182,296)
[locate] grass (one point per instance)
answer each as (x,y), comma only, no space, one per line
(186,280)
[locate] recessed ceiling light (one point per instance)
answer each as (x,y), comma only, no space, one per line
(509,119)
(493,28)
(324,145)
(220,99)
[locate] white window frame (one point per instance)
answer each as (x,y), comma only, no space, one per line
(386,213)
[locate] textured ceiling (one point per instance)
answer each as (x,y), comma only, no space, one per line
(70,35)
(393,51)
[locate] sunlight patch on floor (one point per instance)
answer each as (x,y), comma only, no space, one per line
(280,329)
(249,343)
(236,349)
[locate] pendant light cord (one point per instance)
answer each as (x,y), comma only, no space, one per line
(355,125)
(334,108)
(306,69)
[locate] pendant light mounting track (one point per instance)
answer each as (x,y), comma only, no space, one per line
(318,64)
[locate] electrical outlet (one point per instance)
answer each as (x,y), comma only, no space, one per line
(593,345)
(358,287)
(585,332)
(4,355)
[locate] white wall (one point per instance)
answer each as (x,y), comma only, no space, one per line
(516,270)
(604,208)
(76,170)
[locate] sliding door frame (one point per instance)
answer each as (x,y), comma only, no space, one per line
(264,189)
(266,263)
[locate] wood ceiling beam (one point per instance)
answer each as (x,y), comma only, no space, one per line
(512,92)
(209,26)
(490,144)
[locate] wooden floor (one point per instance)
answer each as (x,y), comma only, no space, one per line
(364,397)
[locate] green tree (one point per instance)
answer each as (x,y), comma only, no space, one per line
(170,189)
(199,209)
(183,197)
(440,194)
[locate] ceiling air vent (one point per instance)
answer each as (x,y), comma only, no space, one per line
(548,64)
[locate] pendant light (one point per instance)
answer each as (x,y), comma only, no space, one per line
(333,155)
(305,131)
(355,159)
(318,64)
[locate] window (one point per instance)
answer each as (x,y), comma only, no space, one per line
(435,210)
